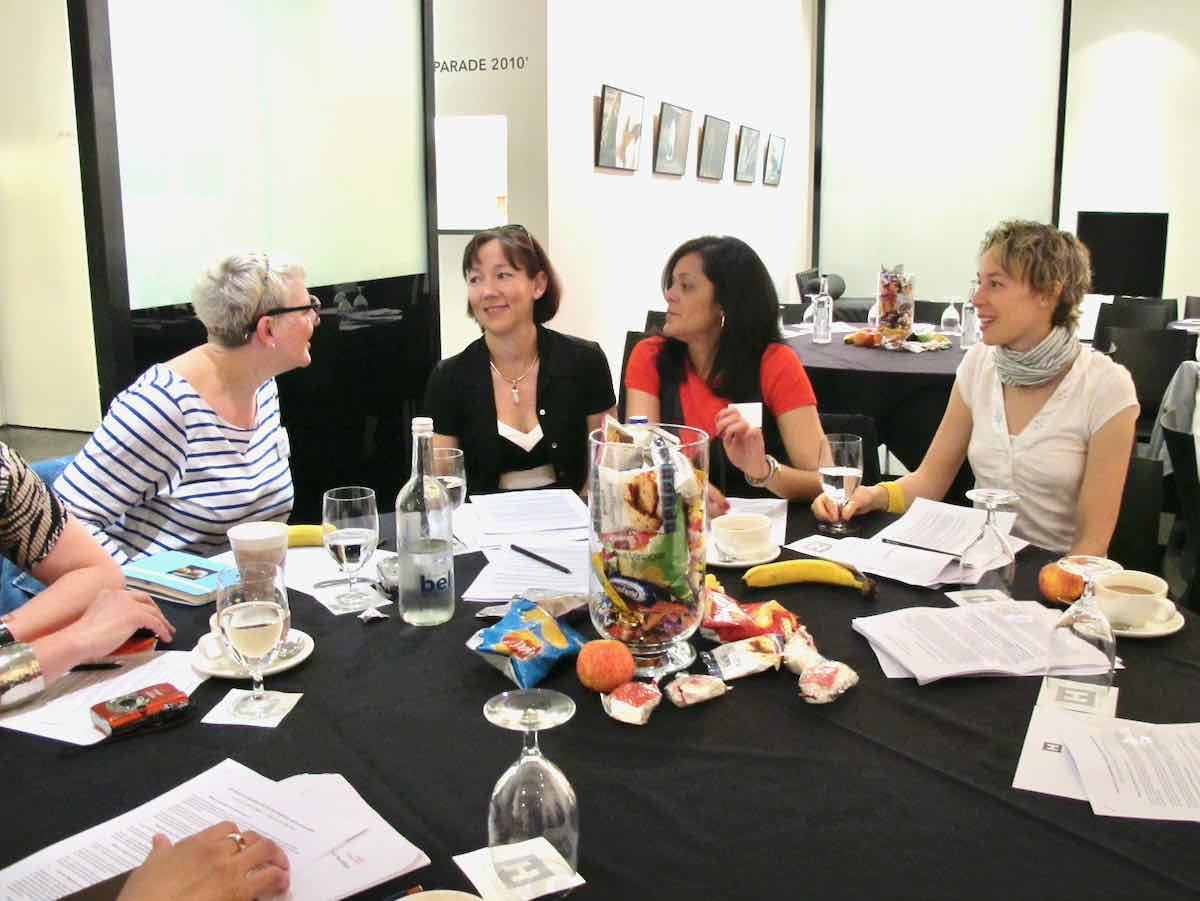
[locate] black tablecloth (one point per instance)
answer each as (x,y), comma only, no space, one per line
(895,790)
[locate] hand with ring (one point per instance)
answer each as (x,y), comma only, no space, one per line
(220,862)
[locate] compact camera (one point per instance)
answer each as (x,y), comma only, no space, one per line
(152,706)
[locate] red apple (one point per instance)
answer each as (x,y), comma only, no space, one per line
(604,664)
(1059,586)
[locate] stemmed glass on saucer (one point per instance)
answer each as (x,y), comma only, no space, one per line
(1085,621)
(350,523)
(533,798)
(989,551)
(841,468)
(252,610)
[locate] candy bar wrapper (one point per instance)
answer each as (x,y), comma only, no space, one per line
(632,702)
(826,681)
(525,643)
(745,657)
(687,689)
(800,652)
(727,620)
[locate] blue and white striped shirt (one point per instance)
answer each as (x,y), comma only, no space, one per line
(164,472)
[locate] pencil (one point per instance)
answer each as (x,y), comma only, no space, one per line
(540,559)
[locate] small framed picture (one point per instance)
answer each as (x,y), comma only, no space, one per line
(747,154)
(773,164)
(620,140)
(713,142)
(671,142)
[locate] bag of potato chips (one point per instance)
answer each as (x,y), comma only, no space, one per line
(525,643)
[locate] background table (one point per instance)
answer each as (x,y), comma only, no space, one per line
(894,790)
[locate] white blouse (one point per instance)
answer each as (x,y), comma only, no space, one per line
(1044,464)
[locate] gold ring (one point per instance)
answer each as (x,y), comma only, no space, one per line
(238,840)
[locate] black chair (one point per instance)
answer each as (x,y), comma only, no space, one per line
(1135,539)
(852,309)
(1170,304)
(1181,448)
(812,284)
(1151,358)
(631,338)
(864,427)
(1138,316)
(792,313)
(803,278)
(1191,307)
(655,320)
(930,310)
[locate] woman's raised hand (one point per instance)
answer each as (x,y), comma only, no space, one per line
(743,443)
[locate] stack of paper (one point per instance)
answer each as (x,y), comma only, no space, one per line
(1004,638)
(508,572)
(336,844)
(520,517)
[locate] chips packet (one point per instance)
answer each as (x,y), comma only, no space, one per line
(525,643)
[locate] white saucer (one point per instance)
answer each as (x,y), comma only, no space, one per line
(1155,630)
(222,667)
(715,558)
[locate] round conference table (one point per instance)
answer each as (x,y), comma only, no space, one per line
(893,790)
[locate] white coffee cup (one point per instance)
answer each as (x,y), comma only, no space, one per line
(1133,599)
(742,536)
(259,542)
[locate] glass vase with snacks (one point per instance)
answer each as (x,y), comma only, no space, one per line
(896,303)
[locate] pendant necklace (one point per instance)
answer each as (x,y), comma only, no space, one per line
(516,393)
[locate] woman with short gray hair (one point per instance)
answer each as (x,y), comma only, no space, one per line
(195,445)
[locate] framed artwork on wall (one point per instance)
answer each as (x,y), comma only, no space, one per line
(773,164)
(619,142)
(713,141)
(671,142)
(747,154)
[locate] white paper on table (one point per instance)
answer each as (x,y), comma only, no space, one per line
(508,573)
(892,668)
(1132,769)
(1045,765)
(227,791)
(773,508)
(64,711)
(938,526)
(222,713)
(307,566)
(535,868)
(375,854)
(540,510)
(976,596)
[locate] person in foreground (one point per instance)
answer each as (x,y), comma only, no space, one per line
(521,400)
(83,613)
(195,445)
(1031,409)
(721,345)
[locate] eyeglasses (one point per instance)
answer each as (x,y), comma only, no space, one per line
(313,305)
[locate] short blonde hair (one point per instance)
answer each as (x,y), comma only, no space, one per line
(230,295)
(1047,259)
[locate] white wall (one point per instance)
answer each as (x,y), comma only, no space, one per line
(610,231)
(1133,122)
(939,121)
(47,354)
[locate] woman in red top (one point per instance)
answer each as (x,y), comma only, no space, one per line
(720,345)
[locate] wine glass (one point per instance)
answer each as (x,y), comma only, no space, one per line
(841,468)
(988,561)
(350,524)
(533,798)
(450,469)
(252,608)
(950,321)
(1082,626)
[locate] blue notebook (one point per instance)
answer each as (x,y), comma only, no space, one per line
(175,576)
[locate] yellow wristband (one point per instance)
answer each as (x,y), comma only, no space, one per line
(895,496)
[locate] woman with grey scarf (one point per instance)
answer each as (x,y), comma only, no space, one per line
(1032,410)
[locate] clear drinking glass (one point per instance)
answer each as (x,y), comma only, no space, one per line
(841,468)
(533,798)
(351,531)
(252,610)
(950,321)
(1084,624)
(989,552)
(450,468)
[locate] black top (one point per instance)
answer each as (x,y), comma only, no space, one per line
(573,382)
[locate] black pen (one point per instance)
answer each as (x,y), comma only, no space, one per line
(917,547)
(87,667)
(540,559)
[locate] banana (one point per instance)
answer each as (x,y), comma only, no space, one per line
(830,572)
(304,536)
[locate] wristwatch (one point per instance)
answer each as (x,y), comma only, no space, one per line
(6,637)
(772,466)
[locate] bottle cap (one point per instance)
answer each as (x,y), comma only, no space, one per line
(422,425)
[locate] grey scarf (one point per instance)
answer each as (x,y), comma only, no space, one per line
(1041,363)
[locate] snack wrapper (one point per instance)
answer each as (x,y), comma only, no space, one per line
(525,643)
(687,689)
(727,620)
(821,680)
(896,305)
(632,702)
(745,657)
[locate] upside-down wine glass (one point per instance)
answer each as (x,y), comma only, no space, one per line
(950,321)
(1085,622)
(841,468)
(989,555)
(350,524)
(252,608)
(533,798)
